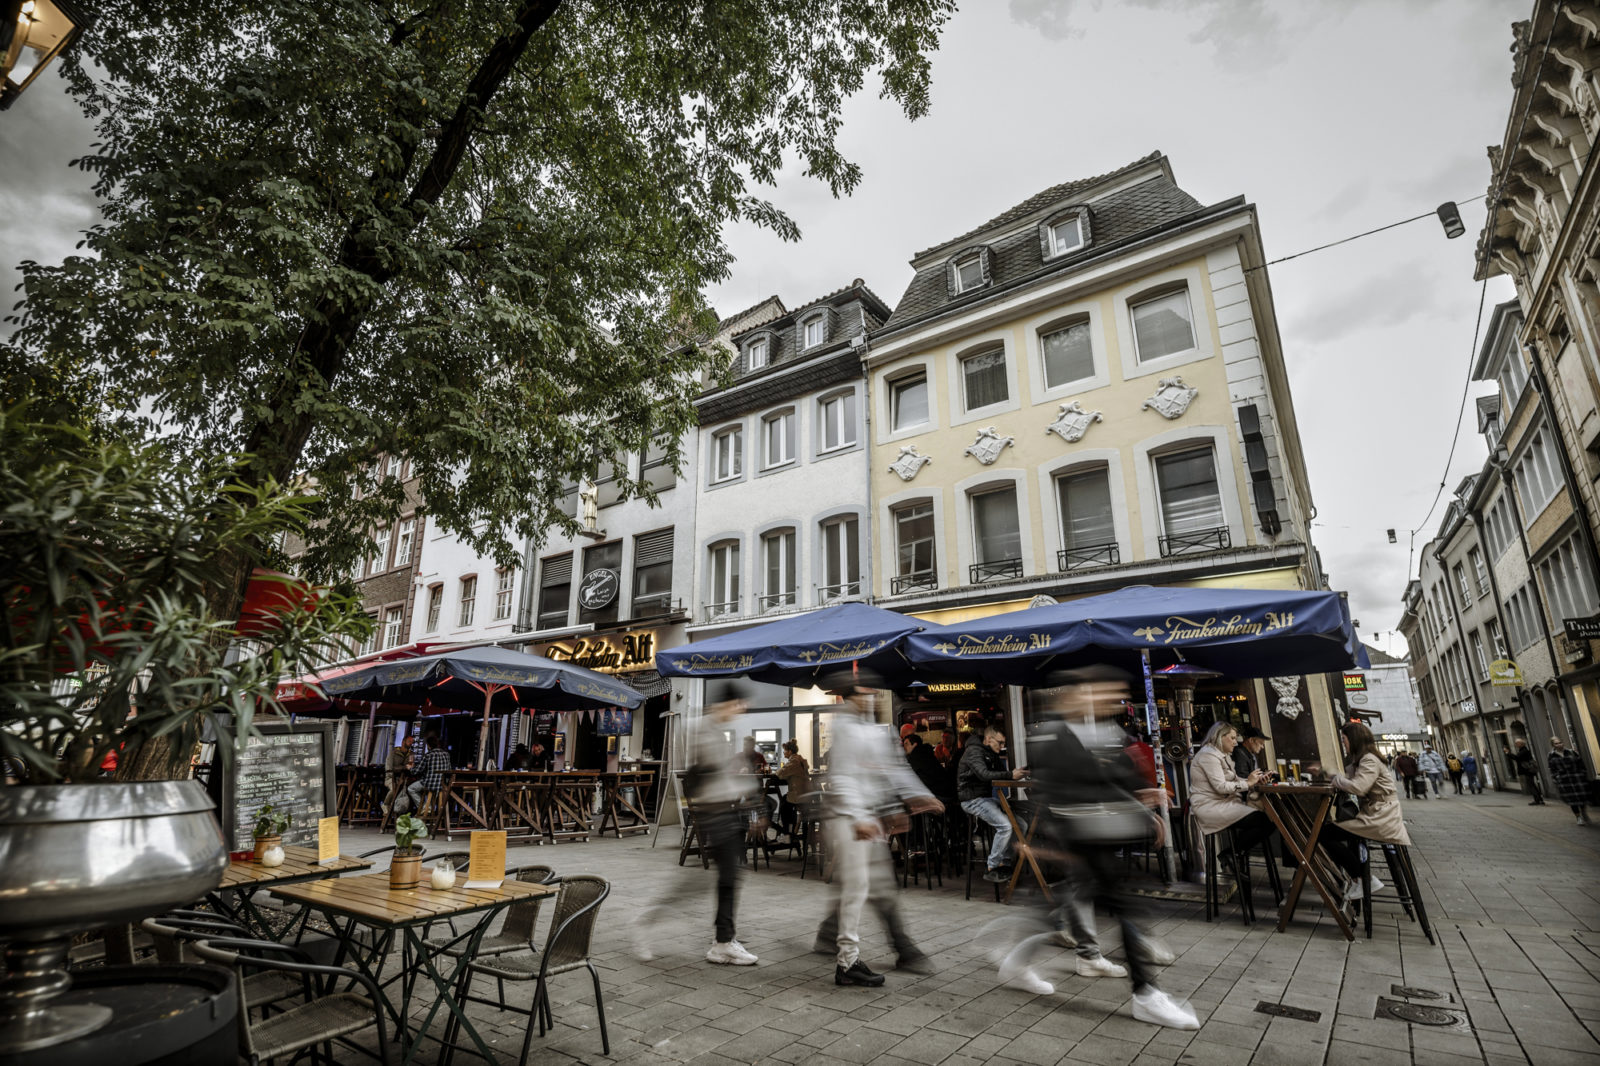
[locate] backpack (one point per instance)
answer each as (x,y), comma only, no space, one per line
(1454,764)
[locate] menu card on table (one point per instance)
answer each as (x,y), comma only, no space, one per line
(486,859)
(327,840)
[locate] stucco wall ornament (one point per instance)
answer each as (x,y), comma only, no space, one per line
(1073,422)
(1288,700)
(1172,398)
(909,463)
(987,448)
(1588,106)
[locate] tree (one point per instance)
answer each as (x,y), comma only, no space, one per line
(475,233)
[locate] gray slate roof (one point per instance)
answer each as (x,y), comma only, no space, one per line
(1016,256)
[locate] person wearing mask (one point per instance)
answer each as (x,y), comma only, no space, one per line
(395,766)
(1249,753)
(1366,776)
(1528,771)
(727,808)
(982,764)
(1469,767)
(1217,794)
(1571,779)
(868,781)
(1433,768)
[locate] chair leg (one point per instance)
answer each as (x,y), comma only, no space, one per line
(1399,879)
(1416,892)
(1366,890)
(600,1008)
(527,1030)
(1213,907)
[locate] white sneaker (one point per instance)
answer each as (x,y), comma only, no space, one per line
(1025,979)
(1354,891)
(1100,966)
(1158,1008)
(1157,953)
(731,953)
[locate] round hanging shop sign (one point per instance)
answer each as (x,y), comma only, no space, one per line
(599,589)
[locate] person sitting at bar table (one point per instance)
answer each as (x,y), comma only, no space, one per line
(520,758)
(1247,754)
(1378,819)
(756,761)
(1217,793)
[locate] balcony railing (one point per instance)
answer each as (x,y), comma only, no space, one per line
(914,581)
(714,611)
(648,606)
(829,593)
(1202,540)
(994,570)
(775,601)
(1070,559)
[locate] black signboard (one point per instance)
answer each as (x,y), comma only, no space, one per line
(1582,628)
(288,766)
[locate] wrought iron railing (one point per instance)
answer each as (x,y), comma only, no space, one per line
(829,593)
(1203,540)
(914,581)
(714,611)
(994,570)
(1069,559)
(775,601)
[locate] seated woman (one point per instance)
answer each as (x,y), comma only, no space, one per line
(1217,793)
(797,776)
(1377,819)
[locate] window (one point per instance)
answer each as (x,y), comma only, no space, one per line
(358,569)
(1163,326)
(405,535)
(369,643)
(996,534)
(777,561)
(983,378)
(1068,354)
(1537,478)
(1569,587)
(908,401)
(1480,572)
(502,594)
(1496,640)
(652,572)
(655,468)
(756,353)
(723,595)
(836,418)
(841,559)
(607,484)
(555,591)
(1066,236)
(394,465)
(1514,375)
(914,546)
(1191,504)
(469,600)
(969,273)
(380,552)
(1479,659)
(1088,530)
(814,331)
(435,604)
(727,454)
(1463,584)
(1521,624)
(600,591)
(391,626)
(777,440)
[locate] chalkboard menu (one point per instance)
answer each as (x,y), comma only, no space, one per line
(288,766)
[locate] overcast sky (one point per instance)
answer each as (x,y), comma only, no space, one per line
(1331,118)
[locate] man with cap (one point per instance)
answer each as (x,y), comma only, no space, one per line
(868,781)
(1247,753)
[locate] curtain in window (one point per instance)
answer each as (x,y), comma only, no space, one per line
(996,534)
(1190,502)
(986,378)
(1068,355)
(1086,520)
(1162,326)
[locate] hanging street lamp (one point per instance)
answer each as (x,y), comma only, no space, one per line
(32,34)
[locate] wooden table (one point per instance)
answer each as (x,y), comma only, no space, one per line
(243,879)
(348,902)
(618,806)
(1300,812)
(1022,840)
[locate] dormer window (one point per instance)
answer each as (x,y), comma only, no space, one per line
(757,353)
(969,273)
(1066,236)
(813,331)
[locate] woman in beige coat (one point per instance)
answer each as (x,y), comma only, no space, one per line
(1377,819)
(1217,793)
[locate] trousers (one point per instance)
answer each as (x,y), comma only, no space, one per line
(862,870)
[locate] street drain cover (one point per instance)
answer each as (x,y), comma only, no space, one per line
(1283,1010)
(1413,992)
(1422,1014)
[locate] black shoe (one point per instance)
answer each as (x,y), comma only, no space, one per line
(1535,803)
(913,961)
(857,974)
(999,875)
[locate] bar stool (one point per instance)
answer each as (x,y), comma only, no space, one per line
(1404,875)
(979,838)
(1239,866)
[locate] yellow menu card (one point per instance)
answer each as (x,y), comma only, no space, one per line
(486,862)
(327,840)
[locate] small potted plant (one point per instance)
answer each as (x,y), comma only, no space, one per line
(270,824)
(405,870)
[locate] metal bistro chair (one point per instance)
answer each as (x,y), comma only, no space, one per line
(174,936)
(517,932)
(324,1016)
(565,949)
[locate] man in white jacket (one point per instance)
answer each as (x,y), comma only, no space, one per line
(868,780)
(1433,766)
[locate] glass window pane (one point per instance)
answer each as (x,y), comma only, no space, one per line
(1086,519)
(985,376)
(1065,236)
(910,402)
(1162,326)
(1068,355)
(914,539)
(996,534)
(969,274)
(1190,501)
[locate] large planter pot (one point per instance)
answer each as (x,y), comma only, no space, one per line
(76,857)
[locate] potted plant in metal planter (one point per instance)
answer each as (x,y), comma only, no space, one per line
(123,637)
(405,869)
(270,824)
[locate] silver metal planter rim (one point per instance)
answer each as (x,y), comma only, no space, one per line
(100,800)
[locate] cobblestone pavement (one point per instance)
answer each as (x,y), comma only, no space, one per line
(1513,891)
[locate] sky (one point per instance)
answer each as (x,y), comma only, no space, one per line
(1332,119)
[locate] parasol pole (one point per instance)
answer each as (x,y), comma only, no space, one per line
(483,730)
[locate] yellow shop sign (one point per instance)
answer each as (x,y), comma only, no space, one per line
(1505,673)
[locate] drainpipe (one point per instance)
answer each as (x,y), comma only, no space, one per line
(869,568)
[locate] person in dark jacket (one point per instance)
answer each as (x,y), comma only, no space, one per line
(1411,774)
(1528,769)
(1571,779)
(923,763)
(982,763)
(1247,755)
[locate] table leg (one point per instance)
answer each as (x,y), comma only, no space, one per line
(1304,846)
(446,986)
(1024,851)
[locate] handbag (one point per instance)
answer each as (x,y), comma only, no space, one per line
(1116,821)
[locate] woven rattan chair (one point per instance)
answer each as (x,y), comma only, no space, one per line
(565,949)
(323,1017)
(173,938)
(517,932)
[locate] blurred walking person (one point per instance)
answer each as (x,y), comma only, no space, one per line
(1528,770)
(1469,767)
(869,780)
(1570,778)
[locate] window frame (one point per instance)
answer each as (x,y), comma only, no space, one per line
(1158,296)
(785,542)
(845,530)
(729,594)
(505,579)
(1063,325)
(762,344)
(819,320)
(435,607)
(901,381)
(467,605)
(989,491)
(790,438)
(971,259)
(1053,231)
(899,512)
(405,541)
(985,351)
(847,400)
(394,620)
(1194,280)
(380,552)
(1165,532)
(543,615)
(735,434)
